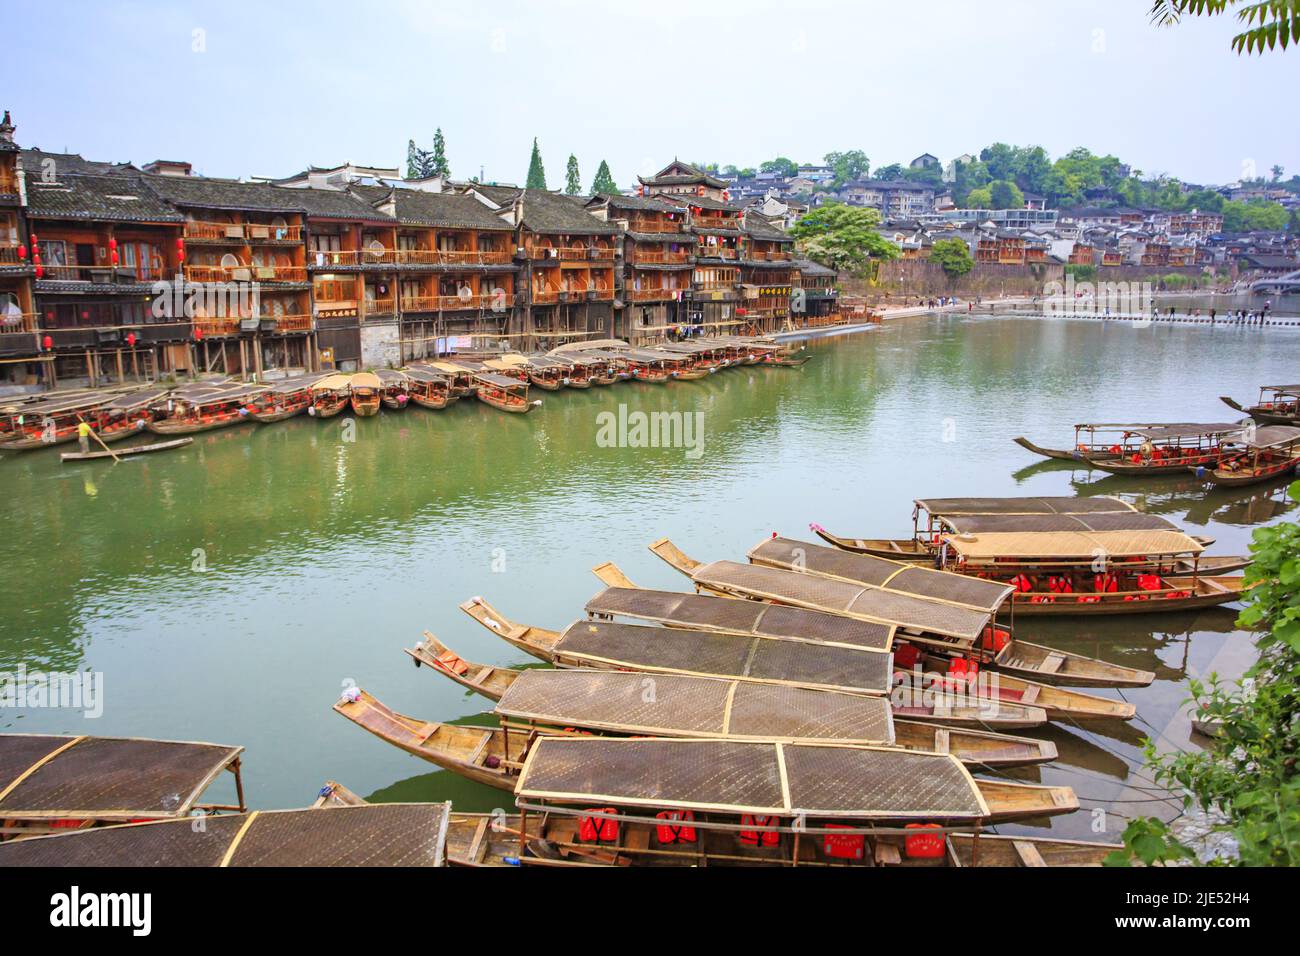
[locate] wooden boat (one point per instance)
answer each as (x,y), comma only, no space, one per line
(329,396)
(1108,441)
(459,375)
(503,393)
(724,655)
(473,839)
(394,388)
(128,414)
(1004,652)
(695,361)
(784,360)
(1165,449)
(129,452)
(51,783)
(204,409)
(283,399)
(1005,851)
(548,373)
(427,388)
(51,421)
(610,366)
(1277,405)
(605,701)
(1262,454)
(646,365)
(580,371)
(365,392)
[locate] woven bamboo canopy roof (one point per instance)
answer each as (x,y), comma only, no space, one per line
(751,777)
(105,778)
(383,834)
(944,507)
(683,706)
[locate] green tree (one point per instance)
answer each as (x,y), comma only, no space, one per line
(536,172)
(418,161)
(954,256)
(848,166)
(1005,195)
(842,237)
(572,181)
(890,172)
(968,176)
(604,183)
(1277,172)
(1256,214)
(438,161)
(781,166)
(981,198)
(1247,782)
(1269,23)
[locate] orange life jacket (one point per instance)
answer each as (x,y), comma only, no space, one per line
(1105,583)
(924,846)
(1148,582)
(598,829)
(906,656)
(676,831)
(845,846)
(759,836)
(994,640)
(1021,583)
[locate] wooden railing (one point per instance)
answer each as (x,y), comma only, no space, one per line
(8,182)
(246,273)
(715,252)
(204,231)
(601,254)
(648,295)
(568,253)
(9,257)
(227,326)
(715,222)
(769,256)
(653,225)
(446,303)
(291,323)
(546,296)
(105,275)
(18,322)
(660,258)
(381,306)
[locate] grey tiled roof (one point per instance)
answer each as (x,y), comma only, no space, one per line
(336,204)
(554,213)
(760,228)
(449,210)
(119,197)
(204,193)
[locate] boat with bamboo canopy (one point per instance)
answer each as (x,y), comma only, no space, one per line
(1097,516)
(546,372)
(698,360)
(1165,449)
(205,408)
(52,784)
(503,393)
(128,414)
(665,801)
(329,396)
(1277,405)
(473,839)
(365,392)
(428,388)
(1005,653)
(51,421)
(460,376)
(283,399)
(606,645)
(647,365)
(603,701)
(1260,454)
(380,834)
(609,367)
(582,372)
(1109,441)
(394,388)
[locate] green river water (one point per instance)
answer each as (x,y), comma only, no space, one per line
(228,591)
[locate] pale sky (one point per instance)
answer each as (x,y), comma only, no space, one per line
(268,88)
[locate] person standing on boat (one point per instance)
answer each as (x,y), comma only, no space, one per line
(83,436)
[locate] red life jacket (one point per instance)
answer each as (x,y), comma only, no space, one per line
(906,656)
(676,831)
(598,829)
(994,640)
(843,847)
(1104,583)
(1021,583)
(1148,582)
(759,836)
(924,846)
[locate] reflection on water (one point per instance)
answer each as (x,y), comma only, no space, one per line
(229,590)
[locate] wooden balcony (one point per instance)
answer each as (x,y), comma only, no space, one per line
(660,258)
(246,273)
(226,326)
(653,225)
(757,255)
(102,275)
(290,323)
(18,322)
(9,257)
(715,222)
(546,296)
(452,257)
(381,306)
(446,303)
(715,252)
(201,231)
(649,295)
(8,182)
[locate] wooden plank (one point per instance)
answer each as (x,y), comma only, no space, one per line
(1028,853)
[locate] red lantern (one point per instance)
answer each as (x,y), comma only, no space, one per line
(180,250)
(198,333)
(32,237)
(130,339)
(113,256)
(112,244)
(47,343)
(22,252)
(85,314)
(40,270)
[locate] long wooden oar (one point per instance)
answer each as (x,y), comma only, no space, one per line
(95,435)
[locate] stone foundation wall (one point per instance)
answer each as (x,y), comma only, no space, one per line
(380,347)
